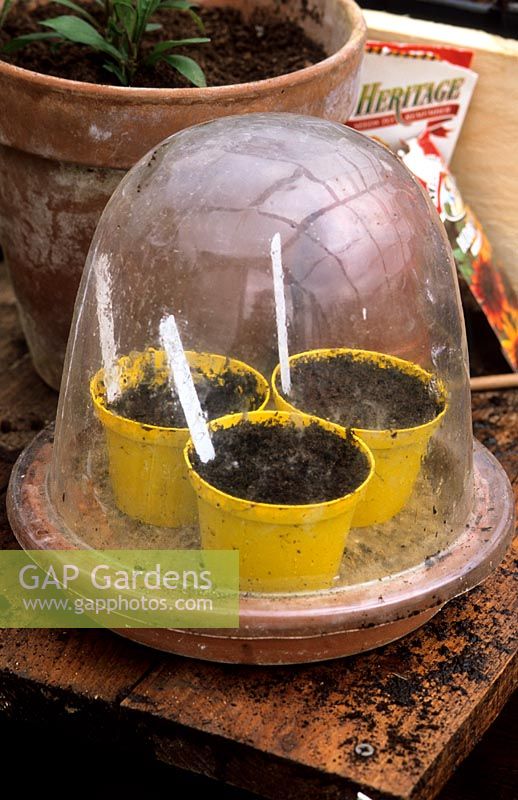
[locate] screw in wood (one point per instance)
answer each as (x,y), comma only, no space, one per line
(364,749)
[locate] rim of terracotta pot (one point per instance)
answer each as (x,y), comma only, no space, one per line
(96,125)
(228,91)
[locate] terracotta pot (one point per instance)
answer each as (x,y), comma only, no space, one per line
(65,145)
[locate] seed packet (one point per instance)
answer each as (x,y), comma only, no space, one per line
(408,88)
(471,248)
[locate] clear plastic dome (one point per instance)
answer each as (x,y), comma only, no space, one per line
(372,310)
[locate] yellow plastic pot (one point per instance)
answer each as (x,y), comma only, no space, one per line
(147,469)
(397,452)
(281,547)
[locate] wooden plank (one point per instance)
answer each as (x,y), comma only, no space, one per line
(291,732)
(5,471)
(66,676)
(69,681)
(491,770)
(7,540)
(82,665)
(19,421)
(50,674)
(71,677)
(495,423)
(6,292)
(485,162)
(421,704)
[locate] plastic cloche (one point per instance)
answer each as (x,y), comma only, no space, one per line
(262,238)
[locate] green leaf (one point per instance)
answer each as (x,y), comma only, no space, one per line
(78,9)
(188,68)
(185,5)
(4,10)
(162,47)
(151,6)
(20,41)
(196,19)
(127,15)
(145,10)
(151,27)
(182,5)
(77,30)
(109,66)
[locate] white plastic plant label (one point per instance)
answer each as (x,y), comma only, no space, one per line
(406,89)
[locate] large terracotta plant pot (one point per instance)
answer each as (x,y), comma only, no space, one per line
(65,145)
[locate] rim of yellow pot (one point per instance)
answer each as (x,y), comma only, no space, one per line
(375,436)
(296,513)
(156,434)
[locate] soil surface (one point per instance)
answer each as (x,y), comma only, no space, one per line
(361,394)
(239,51)
(156,404)
(284,465)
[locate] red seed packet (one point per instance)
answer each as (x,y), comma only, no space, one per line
(471,248)
(405,88)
